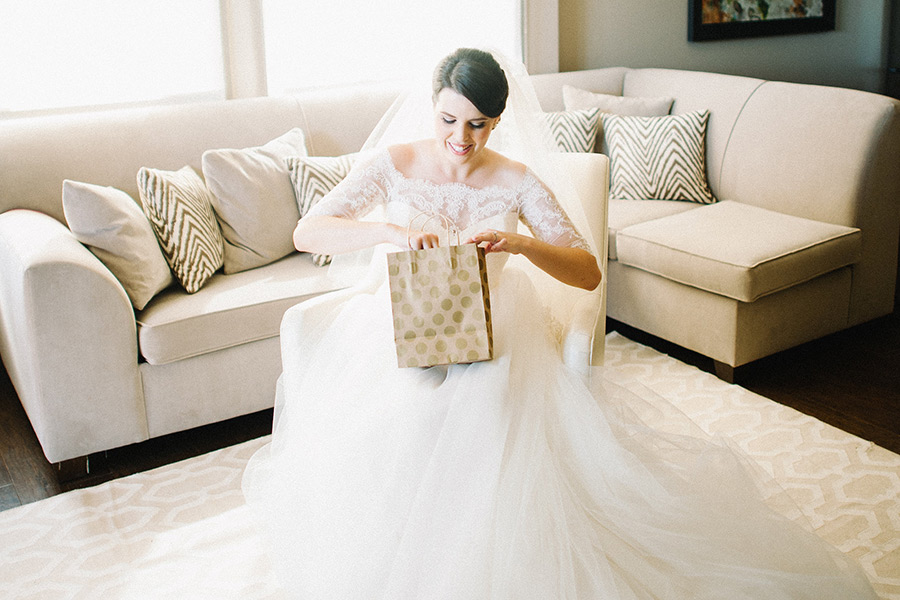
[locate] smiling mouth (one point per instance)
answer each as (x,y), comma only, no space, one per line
(459,150)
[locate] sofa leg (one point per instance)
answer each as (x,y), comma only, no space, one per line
(72,469)
(724,371)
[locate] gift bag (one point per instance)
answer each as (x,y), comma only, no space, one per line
(441,306)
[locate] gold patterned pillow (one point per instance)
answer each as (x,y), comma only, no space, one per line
(179,207)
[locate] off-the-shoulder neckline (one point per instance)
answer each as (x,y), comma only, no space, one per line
(386,156)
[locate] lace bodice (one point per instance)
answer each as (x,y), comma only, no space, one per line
(377,182)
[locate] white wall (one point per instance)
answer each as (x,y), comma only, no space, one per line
(653,33)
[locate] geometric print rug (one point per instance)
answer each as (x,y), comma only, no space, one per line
(143,535)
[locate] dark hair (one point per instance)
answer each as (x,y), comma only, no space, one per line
(477,75)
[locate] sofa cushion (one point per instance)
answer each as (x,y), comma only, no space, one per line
(254,200)
(230,309)
(574,130)
(625,213)
(661,158)
(737,250)
(111,224)
(179,207)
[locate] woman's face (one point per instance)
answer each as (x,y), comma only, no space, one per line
(459,126)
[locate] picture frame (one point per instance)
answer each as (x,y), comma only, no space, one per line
(718,20)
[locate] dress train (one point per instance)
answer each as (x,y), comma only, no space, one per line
(512,478)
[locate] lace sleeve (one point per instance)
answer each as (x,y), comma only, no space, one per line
(363,189)
(545,218)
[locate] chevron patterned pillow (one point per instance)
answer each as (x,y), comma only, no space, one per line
(574,130)
(179,207)
(659,158)
(312,178)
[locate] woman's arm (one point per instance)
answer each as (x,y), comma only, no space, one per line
(572,266)
(336,235)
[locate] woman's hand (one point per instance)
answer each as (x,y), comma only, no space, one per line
(499,241)
(419,240)
(572,266)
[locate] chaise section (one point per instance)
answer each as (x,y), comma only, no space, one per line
(737,250)
(730,332)
(828,154)
(625,213)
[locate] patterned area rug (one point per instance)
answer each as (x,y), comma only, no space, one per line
(138,537)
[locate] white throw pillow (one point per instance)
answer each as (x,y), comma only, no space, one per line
(254,200)
(110,223)
(574,130)
(314,176)
(636,106)
(179,207)
(658,158)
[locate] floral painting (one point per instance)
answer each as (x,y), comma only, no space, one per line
(724,19)
(727,11)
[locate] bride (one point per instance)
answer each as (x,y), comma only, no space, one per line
(511,478)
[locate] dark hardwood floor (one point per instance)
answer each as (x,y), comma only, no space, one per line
(850,380)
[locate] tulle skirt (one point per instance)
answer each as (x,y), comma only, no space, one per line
(512,478)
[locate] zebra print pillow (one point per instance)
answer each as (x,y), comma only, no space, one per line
(179,207)
(312,178)
(660,158)
(574,130)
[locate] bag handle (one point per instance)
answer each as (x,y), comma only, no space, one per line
(450,225)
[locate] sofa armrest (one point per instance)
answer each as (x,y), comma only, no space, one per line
(68,339)
(584,337)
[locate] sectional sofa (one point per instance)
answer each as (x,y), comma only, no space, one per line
(802,242)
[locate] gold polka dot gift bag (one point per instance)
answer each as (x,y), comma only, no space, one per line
(441,306)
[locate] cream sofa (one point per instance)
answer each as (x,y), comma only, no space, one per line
(93,373)
(77,352)
(804,240)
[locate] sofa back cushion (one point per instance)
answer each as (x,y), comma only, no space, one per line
(109,147)
(548,86)
(802,149)
(724,96)
(339,120)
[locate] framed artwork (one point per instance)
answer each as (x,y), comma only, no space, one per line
(728,19)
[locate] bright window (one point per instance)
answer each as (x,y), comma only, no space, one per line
(311,43)
(67,53)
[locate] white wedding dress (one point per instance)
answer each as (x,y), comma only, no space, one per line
(512,478)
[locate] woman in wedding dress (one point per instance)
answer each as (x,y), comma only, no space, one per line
(511,478)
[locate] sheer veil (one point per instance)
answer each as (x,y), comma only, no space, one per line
(523,134)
